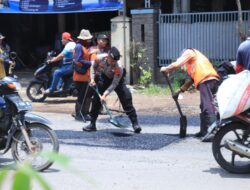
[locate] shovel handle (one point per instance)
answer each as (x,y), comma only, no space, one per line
(172,92)
(183,118)
(169,83)
(103,103)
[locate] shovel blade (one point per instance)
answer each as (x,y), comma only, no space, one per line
(183,126)
(116,123)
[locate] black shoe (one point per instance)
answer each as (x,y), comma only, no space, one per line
(137,128)
(91,127)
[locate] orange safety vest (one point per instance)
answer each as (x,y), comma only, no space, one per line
(82,77)
(199,68)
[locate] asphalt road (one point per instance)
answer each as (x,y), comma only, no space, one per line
(118,159)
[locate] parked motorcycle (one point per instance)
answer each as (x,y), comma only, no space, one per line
(42,79)
(26,134)
(231,143)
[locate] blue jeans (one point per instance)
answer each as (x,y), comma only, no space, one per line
(58,74)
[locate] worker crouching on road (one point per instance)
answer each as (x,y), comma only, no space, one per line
(205,79)
(111,79)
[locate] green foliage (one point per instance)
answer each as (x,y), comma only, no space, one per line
(154,89)
(178,77)
(59,159)
(22,178)
(24,174)
(138,63)
(3,174)
(145,77)
(137,54)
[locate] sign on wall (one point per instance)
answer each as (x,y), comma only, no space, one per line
(58,6)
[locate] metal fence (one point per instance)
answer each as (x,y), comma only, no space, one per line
(215,34)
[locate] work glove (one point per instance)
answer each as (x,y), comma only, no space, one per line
(176,94)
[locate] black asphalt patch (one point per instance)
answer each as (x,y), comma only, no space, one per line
(117,139)
(107,136)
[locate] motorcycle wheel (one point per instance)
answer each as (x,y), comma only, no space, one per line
(35,92)
(44,139)
(227,159)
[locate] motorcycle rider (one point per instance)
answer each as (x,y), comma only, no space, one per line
(243,56)
(205,79)
(111,79)
(65,68)
(82,77)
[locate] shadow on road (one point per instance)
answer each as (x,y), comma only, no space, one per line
(225,174)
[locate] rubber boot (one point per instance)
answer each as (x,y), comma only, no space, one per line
(203,127)
(86,108)
(134,121)
(90,128)
(136,126)
(210,119)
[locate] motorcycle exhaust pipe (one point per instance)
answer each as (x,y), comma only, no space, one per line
(238,148)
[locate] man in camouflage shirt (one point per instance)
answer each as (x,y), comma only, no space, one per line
(111,78)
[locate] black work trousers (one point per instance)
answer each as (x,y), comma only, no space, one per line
(208,90)
(84,98)
(123,94)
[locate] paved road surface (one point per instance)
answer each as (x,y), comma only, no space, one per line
(118,159)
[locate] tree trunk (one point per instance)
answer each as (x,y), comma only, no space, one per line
(240,21)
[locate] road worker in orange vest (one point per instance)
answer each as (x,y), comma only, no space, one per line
(81,76)
(205,79)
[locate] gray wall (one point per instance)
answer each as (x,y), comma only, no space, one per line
(148,18)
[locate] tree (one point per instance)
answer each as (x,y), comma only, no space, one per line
(240,21)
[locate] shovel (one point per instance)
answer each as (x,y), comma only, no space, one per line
(112,119)
(183,118)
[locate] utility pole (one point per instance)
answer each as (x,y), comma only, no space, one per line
(124,40)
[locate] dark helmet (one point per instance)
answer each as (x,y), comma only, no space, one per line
(102,36)
(114,53)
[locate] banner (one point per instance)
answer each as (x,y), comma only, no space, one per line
(58,6)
